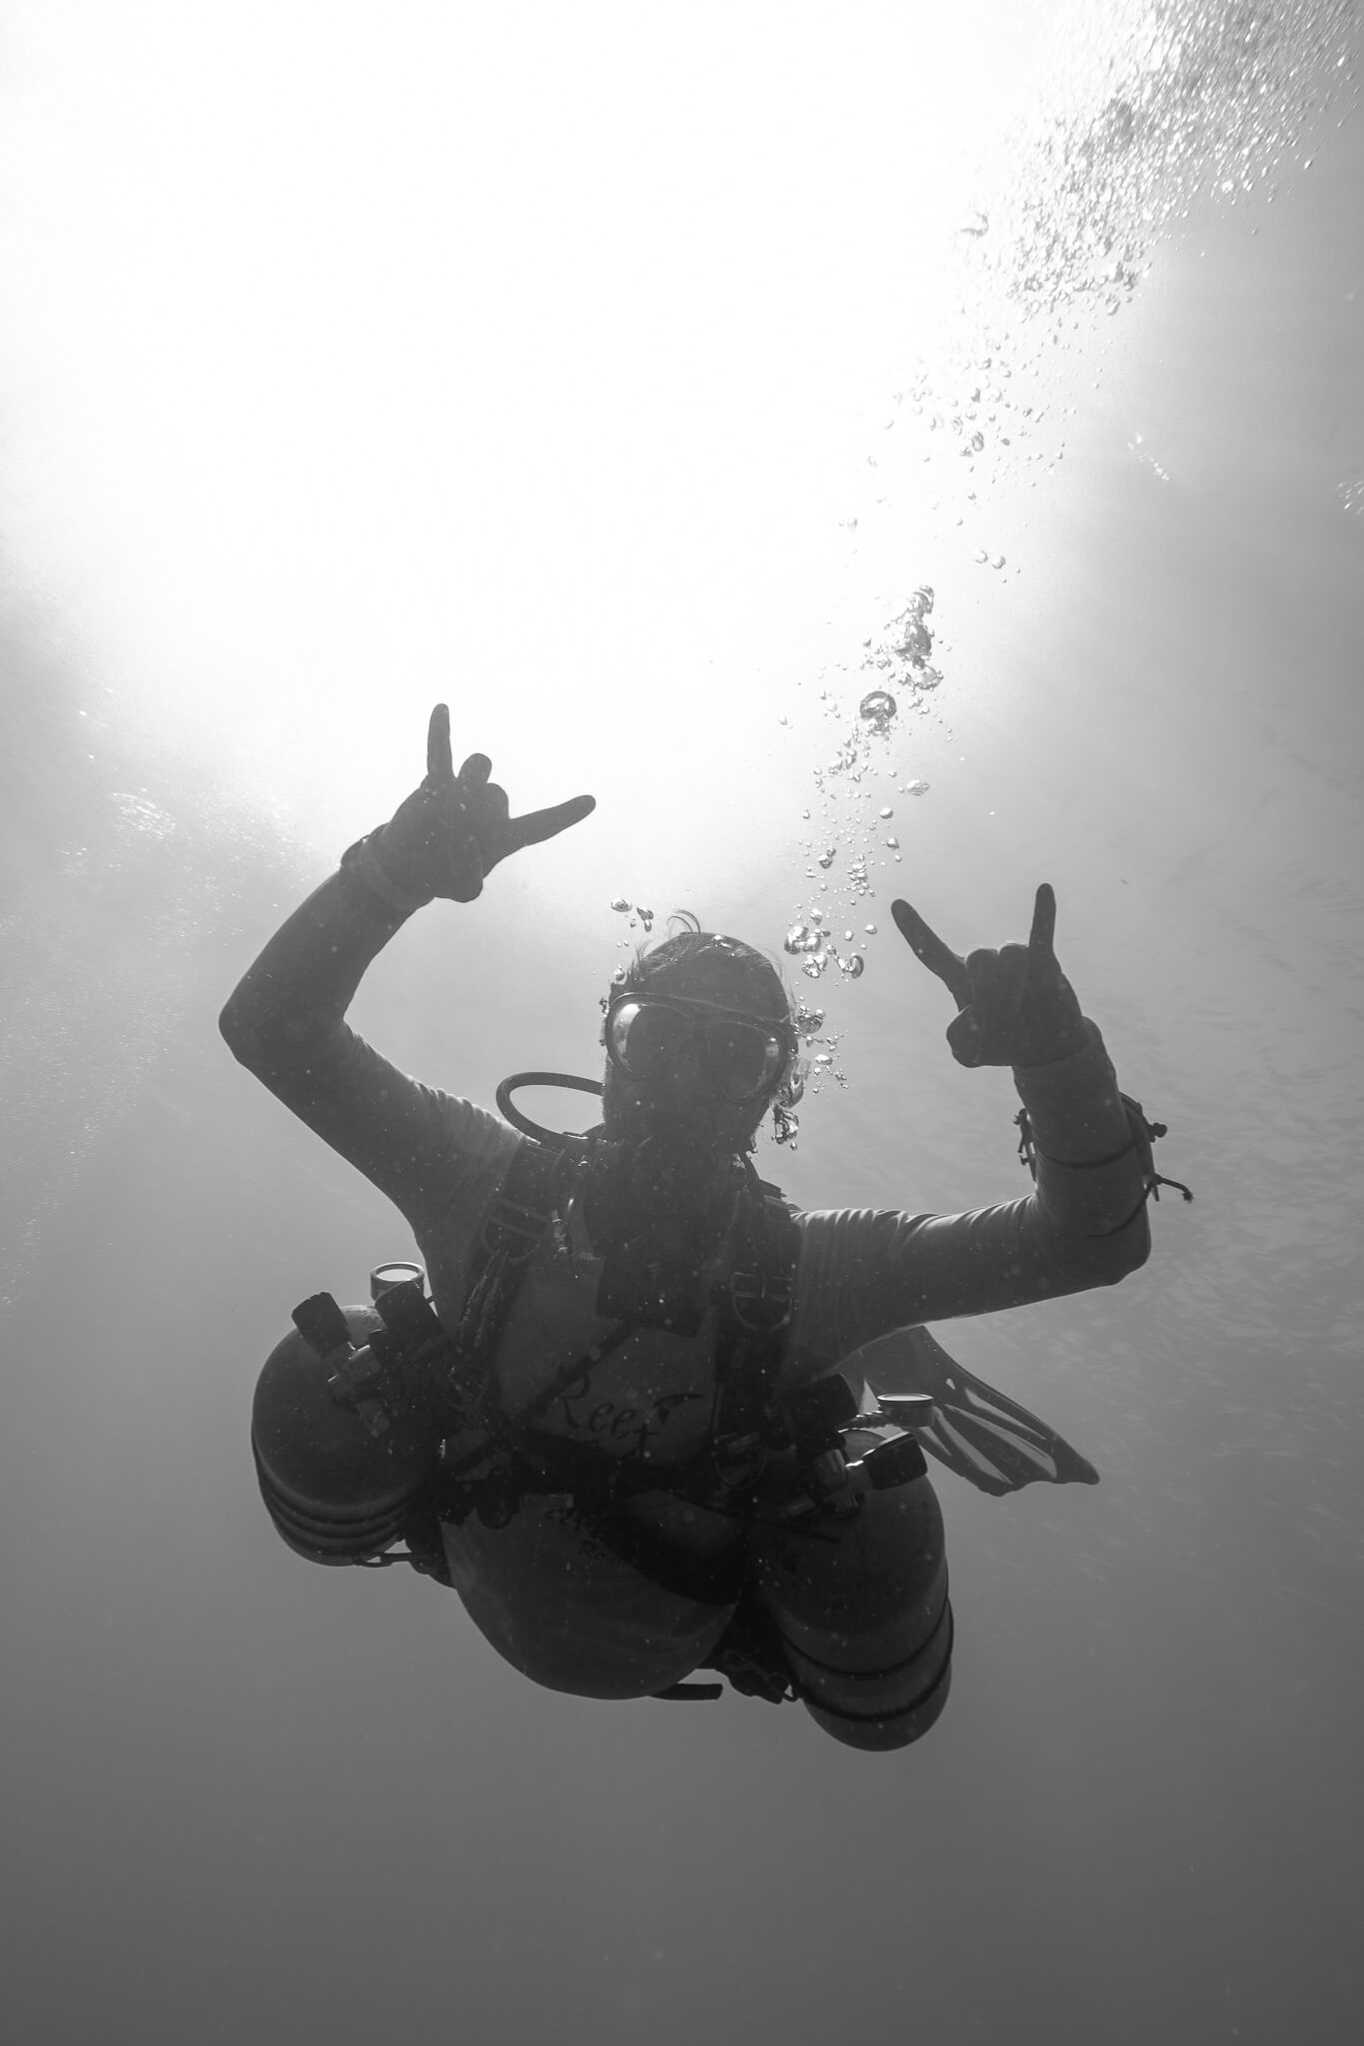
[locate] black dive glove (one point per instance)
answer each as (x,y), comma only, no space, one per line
(448,835)
(1015,1006)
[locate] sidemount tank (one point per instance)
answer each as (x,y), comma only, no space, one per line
(340,1464)
(861,1605)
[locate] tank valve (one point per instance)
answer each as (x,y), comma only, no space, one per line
(830,1482)
(321,1324)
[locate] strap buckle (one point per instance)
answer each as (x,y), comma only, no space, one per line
(762,1302)
(512,1219)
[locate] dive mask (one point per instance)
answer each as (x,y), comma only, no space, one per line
(737,1057)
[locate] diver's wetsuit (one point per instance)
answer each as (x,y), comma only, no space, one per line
(862,1273)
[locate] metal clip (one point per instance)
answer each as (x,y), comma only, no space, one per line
(761,1302)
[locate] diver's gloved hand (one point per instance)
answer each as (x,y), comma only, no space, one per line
(1015,1007)
(448,835)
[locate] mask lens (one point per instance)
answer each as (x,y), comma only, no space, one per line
(648,1040)
(643,1038)
(739,1058)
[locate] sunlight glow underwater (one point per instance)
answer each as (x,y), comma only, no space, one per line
(457,365)
(629,399)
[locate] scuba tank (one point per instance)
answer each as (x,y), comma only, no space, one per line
(852,1581)
(352,1406)
(847,1569)
(345,1427)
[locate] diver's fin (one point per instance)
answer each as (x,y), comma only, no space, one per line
(984,1437)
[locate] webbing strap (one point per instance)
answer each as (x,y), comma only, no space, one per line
(754,1312)
(512,1230)
(754,1318)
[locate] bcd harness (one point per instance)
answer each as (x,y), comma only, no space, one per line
(753,1307)
(508,1460)
(488,1461)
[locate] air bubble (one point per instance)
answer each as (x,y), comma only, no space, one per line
(619,903)
(878,707)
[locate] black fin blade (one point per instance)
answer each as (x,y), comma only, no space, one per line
(977,1432)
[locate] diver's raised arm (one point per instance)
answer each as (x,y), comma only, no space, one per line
(441,842)
(433,1154)
(1016,1008)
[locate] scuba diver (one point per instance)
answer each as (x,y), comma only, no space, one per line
(629,1426)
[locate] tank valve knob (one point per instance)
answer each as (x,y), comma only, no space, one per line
(321,1324)
(831,1483)
(894,1463)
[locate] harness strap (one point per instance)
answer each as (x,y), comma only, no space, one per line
(755,1314)
(512,1230)
(755,1307)
(566,1376)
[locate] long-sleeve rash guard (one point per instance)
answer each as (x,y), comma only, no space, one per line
(862,1273)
